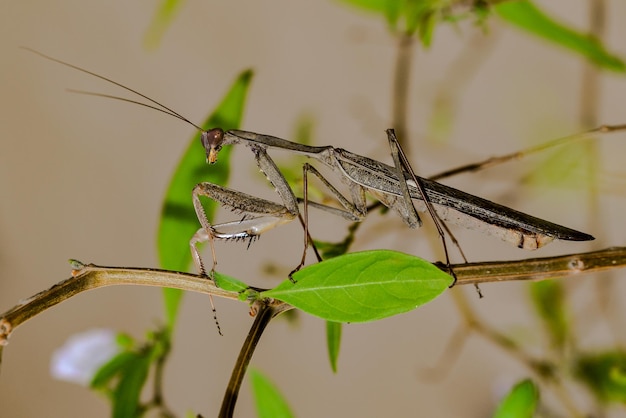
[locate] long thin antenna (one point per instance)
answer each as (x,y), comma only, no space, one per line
(124,99)
(67,64)
(159,107)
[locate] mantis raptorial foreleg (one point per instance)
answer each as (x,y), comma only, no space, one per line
(260,215)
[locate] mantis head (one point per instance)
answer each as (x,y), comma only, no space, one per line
(212,142)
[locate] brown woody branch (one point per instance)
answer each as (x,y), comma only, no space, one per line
(89,276)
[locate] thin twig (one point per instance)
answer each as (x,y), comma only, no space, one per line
(457,77)
(603,129)
(401,82)
(590,88)
(158,400)
(590,99)
(449,356)
(264,314)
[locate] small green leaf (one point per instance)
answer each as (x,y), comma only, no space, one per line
(229,283)
(567,168)
(372,6)
(127,394)
(426,26)
(103,377)
(269,401)
(333,339)
(362,287)
(604,374)
(548,297)
(335,249)
(421,17)
(391,10)
(525,15)
(163,18)
(246,293)
(125,341)
(178,218)
(304,129)
(332,249)
(521,402)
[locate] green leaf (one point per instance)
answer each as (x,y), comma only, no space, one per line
(422,17)
(335,249)
(426,27)
(391,10)
(304,130)
(125,341)
(163,18)
(567,168)
(229,283)
(364,286)
(372,6)
(521,401)
(246,293)
(103,377)
(333,340)
(548,298)
(269,401)
(525,15)
(604,374)
(178,218)
(126,396)
(123,377)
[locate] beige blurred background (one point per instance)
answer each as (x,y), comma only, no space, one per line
(83,178)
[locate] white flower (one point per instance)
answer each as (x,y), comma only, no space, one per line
(81,356)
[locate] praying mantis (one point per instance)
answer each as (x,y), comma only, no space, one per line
(397,187)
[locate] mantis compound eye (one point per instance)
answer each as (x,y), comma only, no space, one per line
(212,143)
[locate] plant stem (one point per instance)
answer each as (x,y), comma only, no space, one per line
(590,99)
(264,315)
(158,399)
(590,92)
(489,162)
(401,82)
(88,276)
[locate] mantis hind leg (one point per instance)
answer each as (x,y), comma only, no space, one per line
(405,174)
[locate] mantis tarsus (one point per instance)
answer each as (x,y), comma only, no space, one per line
(359,174)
